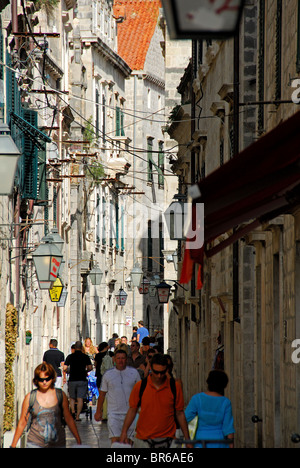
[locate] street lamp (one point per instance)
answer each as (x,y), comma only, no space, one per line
(96,276)
(155,280)
(176,216)
(187,19)
(47,260)
(57,240)
(121,297)
(9,155)
(56,291)
(144,286)
(128,283)
(163,292)
(63,298)
(175,259)
(136,275)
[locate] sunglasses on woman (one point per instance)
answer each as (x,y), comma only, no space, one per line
(47,379)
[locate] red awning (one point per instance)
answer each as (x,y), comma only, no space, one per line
(260,183)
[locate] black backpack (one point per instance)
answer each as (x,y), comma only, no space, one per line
(173,388)
(59,395)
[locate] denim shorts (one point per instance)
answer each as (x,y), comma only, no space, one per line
(78,389)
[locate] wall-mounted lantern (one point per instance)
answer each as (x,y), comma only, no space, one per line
(96,276)
(136,275)
(190,19)
(121,297)
(176,217)
(144,286)
(163,292)
(47,260)
(9,156)
(128,283)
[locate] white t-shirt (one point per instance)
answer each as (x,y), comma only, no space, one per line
(118,385)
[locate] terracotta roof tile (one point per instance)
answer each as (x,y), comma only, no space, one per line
(137,29)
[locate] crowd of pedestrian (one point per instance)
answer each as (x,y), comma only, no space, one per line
(136,393)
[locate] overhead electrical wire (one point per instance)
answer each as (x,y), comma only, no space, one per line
(59,94)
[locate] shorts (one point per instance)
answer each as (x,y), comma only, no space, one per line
(115,425)
(78,389)
(153,443)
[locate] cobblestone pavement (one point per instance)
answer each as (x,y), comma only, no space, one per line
(93,434)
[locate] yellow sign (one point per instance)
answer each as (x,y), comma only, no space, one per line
(55,292)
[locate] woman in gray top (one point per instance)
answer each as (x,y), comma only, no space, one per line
(44,411)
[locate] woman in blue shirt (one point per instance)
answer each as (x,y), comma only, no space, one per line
(215,420)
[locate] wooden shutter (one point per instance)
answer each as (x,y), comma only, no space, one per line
(29,160)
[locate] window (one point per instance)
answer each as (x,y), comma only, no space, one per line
(29,160)
(117,224)
(149,98)
(150,248)
(103,117)
(161,164)
(103,221)
(98,219)
(122,229)
(150,161)
(161,248)
(119,122)
(97,113)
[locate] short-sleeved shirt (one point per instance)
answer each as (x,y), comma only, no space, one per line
(54,357)
(156,419)
(137,362)
(118,386)
(143,332)
(215,419)
(78,362)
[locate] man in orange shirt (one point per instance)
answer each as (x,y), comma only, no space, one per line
(156,424)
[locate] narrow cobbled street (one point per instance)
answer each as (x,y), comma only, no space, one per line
(93,434)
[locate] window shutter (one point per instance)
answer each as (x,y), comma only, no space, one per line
(29,160)
(117,225)
(118,121)
(161,164)
(122,124)
(42,194)
(122,230)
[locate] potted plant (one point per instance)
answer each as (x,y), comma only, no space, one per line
(28,337)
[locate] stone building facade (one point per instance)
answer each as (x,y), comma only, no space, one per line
(246,312)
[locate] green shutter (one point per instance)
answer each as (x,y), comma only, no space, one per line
(103,221)
(42,197)
(122,230)
(150,248)
(161,164)
(118,121)
(150,162)
(98,219)
(117,224)
(122,124)
(29,160)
